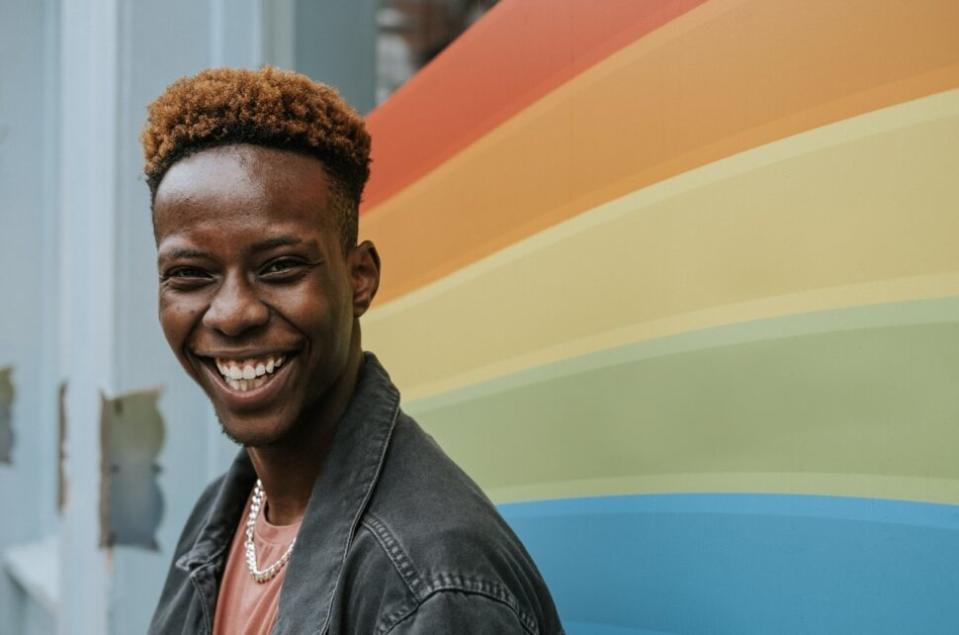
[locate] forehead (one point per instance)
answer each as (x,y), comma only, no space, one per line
(242,186)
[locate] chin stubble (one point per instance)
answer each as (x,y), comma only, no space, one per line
(255,442)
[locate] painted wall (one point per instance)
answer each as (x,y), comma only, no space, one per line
(337,41)
(678,283)
(28,270)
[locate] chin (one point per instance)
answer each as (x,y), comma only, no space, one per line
(253,434)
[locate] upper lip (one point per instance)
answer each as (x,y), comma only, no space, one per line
(246,354)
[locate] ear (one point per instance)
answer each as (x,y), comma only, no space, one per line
(364,264)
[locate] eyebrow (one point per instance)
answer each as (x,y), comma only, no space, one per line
(263,245)
(272,243)
(182,252)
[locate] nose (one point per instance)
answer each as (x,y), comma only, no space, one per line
(235,309)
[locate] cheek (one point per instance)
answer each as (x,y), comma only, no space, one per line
(314,306)
(310,314)
(177,317)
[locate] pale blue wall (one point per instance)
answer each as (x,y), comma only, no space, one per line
(28,271)
(77,268)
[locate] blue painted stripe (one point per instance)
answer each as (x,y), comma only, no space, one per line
(746,563)
(860,509)
(592,628)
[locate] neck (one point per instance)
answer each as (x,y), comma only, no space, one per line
(289,469)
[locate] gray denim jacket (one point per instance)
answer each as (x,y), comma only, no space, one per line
(396,539)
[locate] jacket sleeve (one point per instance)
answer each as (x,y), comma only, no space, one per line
(460,613)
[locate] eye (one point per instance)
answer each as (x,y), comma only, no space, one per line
(186,277)
(187,272)
(285,268)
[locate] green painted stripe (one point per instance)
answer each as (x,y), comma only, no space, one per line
(864,396)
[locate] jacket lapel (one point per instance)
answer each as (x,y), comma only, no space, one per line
(339,498)
(205,560)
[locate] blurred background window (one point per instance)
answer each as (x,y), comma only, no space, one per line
(410,33)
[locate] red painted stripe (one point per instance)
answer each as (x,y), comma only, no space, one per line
(519,51)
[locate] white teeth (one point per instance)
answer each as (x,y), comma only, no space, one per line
(243,385)
(248,375)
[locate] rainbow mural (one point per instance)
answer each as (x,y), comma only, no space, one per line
(678,283)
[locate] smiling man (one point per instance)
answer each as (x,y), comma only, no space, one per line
(339,515)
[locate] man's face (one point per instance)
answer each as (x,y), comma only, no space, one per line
(257,299)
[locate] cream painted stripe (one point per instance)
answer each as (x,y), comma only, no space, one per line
(931,490)
(857,212)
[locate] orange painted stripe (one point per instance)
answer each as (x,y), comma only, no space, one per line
(728,76)
(519,51)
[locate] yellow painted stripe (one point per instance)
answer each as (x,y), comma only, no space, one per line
(857,212)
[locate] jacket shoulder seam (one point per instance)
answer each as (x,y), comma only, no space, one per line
(396,554)
(528,624)
(492,589)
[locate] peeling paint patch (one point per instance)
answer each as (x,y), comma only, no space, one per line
(7,394)
(131,504)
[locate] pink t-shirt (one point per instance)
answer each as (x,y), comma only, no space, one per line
(245,606)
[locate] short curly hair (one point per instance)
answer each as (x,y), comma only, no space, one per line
(267,107)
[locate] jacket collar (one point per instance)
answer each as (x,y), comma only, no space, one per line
(225,509)
(340,496)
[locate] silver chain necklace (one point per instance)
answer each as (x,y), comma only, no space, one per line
(261,575)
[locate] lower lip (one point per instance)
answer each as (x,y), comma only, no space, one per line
(250,399)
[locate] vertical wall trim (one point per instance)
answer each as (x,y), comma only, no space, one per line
(216,32)
(88,187)
(50,368)
(257,37)
(277,28)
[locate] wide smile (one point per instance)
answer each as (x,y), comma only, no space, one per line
(249,383)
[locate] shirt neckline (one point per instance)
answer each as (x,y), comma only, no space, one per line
(277,535)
